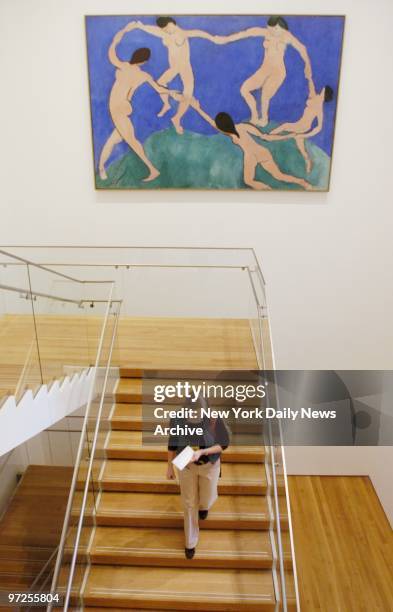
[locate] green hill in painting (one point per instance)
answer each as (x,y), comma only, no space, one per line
(197,161)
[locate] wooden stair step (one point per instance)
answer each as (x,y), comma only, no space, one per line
(25,553)
(129,390)
(165,510)
(13,581)
(128,445)
(165,547)
(25,567)
(204,590)
(150,476)
(100,609)
(127,417)
(131,372)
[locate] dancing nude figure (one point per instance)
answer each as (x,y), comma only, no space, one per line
(242,135)
(177,42)
(129,76)
(302,129)
(272,73)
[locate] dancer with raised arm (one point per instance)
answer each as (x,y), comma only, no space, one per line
(302,129)
(129,76)
(176,39)
(272,73)
(242,135)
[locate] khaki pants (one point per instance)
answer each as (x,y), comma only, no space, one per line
(198,489)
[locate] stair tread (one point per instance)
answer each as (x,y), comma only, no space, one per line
(24,567)
(129,444)
(236,477)
(129,389)
(162,507)
(13,581)
(100,609)
(244,472)
(124,411)
(25,553)
(214,546)
(228,588)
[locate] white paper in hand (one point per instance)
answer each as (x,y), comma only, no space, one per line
(183,458)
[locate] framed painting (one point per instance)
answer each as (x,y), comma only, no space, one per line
(213,101)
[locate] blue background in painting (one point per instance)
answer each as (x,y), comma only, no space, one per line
(219,71)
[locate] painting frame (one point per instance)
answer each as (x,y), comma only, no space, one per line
(244,189)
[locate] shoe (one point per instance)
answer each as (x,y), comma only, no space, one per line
(190,552)
(203,514)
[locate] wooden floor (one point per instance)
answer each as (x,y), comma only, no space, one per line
(31,525)
(170,343)
(343,545)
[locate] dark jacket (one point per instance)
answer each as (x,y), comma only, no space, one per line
(214,432)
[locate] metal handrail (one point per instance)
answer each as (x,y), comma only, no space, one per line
(79,453)
(120,246)
(45,269)
(144,248)
(89,472)
(57,298)
(294,566)
(278,522)
(30,293)
(134,265)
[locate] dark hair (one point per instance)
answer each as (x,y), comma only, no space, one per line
(277,20)
(162,22)
(140,55)
(225,123)
(329,93)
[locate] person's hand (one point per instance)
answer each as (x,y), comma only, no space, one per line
(170,473)
(197,455)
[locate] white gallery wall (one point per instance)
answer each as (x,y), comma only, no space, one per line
(327,257)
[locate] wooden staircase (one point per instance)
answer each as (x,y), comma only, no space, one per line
(136,551)
(31,525)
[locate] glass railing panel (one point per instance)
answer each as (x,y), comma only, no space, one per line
(66,337)
(19,356)
(280,534)
(281,531)
(72,561)
(50,321)
(163,307)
